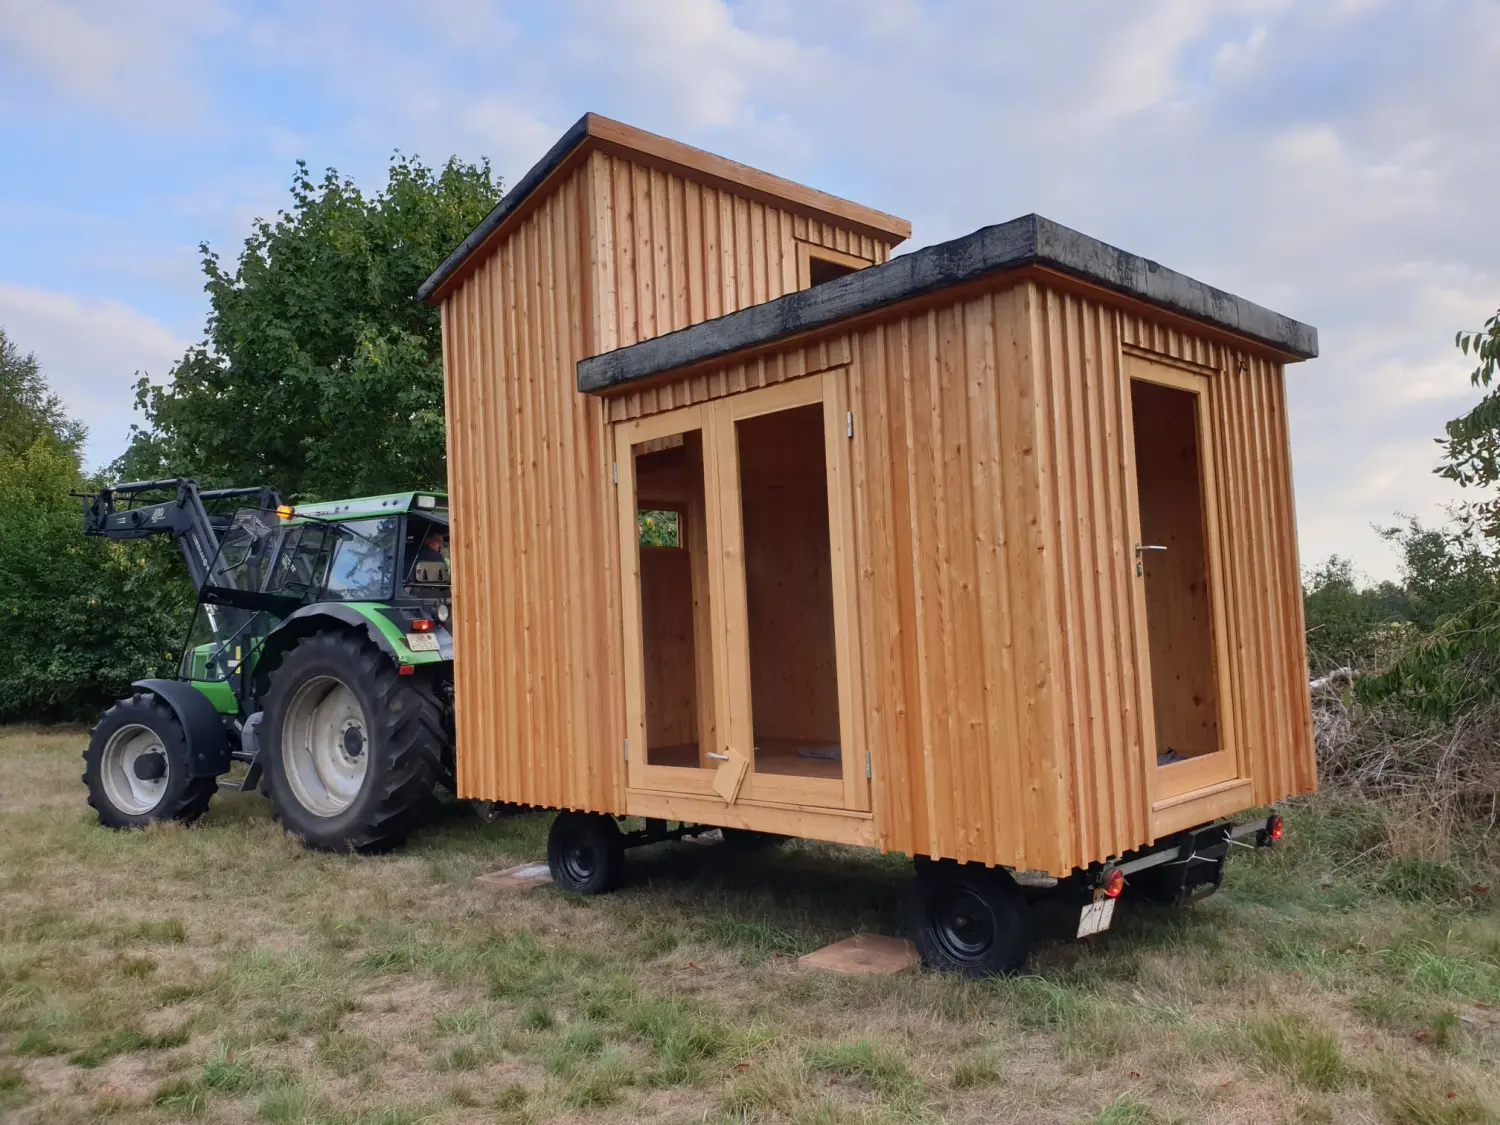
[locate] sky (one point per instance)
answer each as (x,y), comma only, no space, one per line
(1334,160)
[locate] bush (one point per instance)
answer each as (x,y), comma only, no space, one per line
(82,618)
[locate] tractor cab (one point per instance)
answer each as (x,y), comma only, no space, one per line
(386,554)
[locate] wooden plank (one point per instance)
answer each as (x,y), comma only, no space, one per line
(749,182)
(1192,809)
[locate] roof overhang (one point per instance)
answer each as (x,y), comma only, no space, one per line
(592,131)
(1028,241)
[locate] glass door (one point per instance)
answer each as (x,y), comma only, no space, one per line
(666,513)
(739,670)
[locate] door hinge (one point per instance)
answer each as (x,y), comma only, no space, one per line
(849,423)
(627,749)
(614,473)
(868,772)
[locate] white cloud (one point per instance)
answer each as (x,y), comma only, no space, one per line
(90,353)
(1330,158)
(132,60)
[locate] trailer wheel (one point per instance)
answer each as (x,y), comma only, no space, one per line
(353,750)
(968,918)
(585,853)
(136,767)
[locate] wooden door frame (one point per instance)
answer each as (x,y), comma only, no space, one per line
(1169,787)
(728,609)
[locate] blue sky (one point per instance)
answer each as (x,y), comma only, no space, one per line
(1333,159)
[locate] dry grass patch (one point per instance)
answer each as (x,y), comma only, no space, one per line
(224,974)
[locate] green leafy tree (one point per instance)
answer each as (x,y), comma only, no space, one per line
(321,372)
(82,617)
(1471,450)
(28,408)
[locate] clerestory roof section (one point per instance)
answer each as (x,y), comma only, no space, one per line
(1028,241)
(592,131)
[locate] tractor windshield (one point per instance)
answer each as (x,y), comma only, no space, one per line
(364,562)
(225,630)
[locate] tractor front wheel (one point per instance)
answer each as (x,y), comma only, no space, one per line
(353,749)
(136,767)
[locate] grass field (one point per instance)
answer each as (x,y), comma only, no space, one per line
(222,973)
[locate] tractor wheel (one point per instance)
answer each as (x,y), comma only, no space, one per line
(136,767)
(969,919)
(353,750)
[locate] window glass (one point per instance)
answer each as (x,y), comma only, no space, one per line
(302,560)
(363,561)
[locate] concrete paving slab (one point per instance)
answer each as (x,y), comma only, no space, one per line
(864,953)
(517,878)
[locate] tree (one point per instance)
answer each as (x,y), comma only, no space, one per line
(82,617)
(1471,451)
(321,372)
(28,409)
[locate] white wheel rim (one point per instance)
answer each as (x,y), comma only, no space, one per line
(126,790)
(325,746)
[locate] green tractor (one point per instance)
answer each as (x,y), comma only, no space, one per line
(320,655)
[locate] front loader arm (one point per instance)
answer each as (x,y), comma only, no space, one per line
(183,516)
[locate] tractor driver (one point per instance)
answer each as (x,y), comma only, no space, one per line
(434,547)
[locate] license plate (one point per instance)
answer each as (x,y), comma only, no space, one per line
(422,642)
(1096,917)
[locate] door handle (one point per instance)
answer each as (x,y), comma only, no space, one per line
(1140,552)
(717,757)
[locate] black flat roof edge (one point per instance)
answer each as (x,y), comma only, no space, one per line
(512,199)
(1029,240)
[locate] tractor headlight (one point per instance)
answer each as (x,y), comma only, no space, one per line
(442,613)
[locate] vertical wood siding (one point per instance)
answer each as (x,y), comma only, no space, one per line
(612,253)
(1269,707)
(990,492)
(537,678)
(1084,515)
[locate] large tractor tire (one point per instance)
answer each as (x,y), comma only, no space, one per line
(136,767)
(353,750)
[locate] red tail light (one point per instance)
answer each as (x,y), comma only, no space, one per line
(1114,883)
(422,625)
(1276,827)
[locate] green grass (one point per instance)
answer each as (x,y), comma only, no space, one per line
(224,974)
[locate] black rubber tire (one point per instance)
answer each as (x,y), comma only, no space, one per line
(585,853)
(745,840)
(183,799)
(404,740)
(968,919)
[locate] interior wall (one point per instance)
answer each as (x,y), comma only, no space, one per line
(788,576)
(1179,613)
(667,630)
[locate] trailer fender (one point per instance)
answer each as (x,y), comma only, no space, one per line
(207,741)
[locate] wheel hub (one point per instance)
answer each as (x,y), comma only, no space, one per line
(151,766)
(134,769)
(324,746)
(963,925)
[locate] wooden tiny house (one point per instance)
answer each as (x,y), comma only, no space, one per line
(986,552)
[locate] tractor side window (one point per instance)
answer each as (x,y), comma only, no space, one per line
(364,560)
(426,552)
(302,561)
